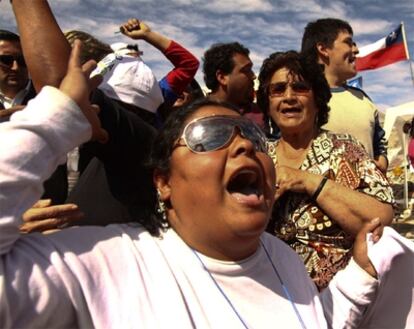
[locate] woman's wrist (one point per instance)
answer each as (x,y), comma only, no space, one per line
(318,190)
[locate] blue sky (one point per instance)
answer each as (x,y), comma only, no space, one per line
(263,26)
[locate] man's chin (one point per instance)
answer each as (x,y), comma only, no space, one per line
(16,83)
(247,104)
(349,75)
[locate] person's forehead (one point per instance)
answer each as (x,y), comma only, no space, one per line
(284,74)
(241,60)
(212,110)
(10,47)
(343,35)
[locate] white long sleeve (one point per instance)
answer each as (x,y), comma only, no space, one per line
(30,144)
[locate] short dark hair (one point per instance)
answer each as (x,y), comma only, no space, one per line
(323,31)
(300,66)
(9,36)
(163,147)
(220,57)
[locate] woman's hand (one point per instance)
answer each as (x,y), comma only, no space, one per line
(360,249)
(295,180)
(43,216)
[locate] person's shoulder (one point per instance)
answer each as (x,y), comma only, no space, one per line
(325,136)
(346,143)
(357,91)
(92,235)
(279,248)
(342,137)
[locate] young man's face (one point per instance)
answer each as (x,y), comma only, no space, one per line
(341,57)
(240,82)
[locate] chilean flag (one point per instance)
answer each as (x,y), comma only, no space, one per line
(385,51)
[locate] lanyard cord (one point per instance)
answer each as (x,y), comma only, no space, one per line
(221,290)
(285,289)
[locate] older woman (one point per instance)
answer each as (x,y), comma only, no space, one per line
(327,186)
(202,261)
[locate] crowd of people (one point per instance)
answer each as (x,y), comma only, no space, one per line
(235,209)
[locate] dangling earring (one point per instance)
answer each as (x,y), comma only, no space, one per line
(269,122)
(317,122)
(161,209)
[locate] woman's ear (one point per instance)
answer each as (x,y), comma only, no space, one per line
(162,184)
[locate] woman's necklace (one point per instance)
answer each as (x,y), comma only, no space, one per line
(284,287)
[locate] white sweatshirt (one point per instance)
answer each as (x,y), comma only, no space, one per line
(120,276)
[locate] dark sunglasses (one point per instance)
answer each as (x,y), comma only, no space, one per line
(279,89)
(8,60)
(215,132)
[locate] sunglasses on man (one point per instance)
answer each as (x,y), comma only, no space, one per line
(215,132)
(8,60)
(278,89)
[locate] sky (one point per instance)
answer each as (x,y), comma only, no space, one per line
(262,26)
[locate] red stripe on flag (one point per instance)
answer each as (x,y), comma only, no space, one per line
(381,57)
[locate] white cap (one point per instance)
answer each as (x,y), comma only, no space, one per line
(131,81)
(121,48)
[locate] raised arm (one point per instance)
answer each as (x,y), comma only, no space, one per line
(185,63)
(45,48)
(136,30)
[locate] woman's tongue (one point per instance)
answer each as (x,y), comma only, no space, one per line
(247,194)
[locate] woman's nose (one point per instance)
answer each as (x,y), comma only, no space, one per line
(241,145)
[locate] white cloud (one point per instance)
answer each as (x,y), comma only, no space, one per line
(7,17)
(245,6)
(371,26)
(390,85)
(309,10)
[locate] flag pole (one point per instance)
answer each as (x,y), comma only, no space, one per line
(406,51)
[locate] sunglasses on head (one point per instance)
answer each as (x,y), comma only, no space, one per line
(8,60)
(215,132)
(278,89)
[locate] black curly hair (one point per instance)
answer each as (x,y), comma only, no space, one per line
(220,57)
(299,65)
(163,147)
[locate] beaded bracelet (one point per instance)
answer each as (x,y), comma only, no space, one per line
(319,189)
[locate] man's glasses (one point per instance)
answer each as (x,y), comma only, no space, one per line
(8,60)
(215,132)
(278,89)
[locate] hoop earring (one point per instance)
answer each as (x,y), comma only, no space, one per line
(160,208)
(269,122)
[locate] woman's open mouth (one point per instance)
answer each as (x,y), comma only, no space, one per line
(246,187)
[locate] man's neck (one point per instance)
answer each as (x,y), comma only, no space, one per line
(9,92)
(333,80)
(218,95)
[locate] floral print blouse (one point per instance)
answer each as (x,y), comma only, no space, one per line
(323,245)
